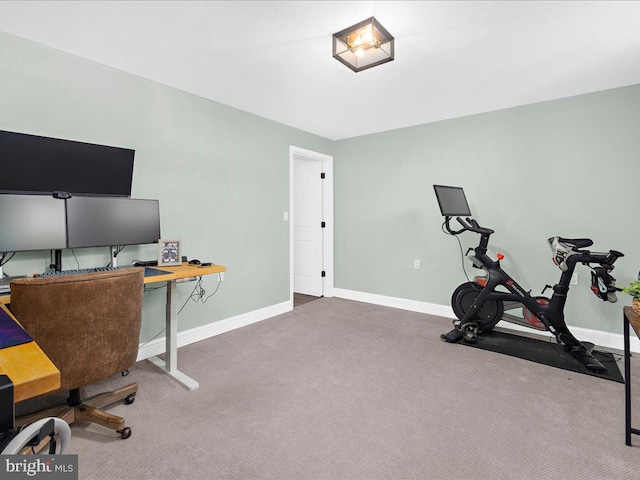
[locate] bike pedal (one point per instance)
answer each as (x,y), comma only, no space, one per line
(587,359)
(453,336)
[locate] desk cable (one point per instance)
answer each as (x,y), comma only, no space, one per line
(4,260)
(153,338)
(52,262)
(149,290)
(74,256)
(197,295)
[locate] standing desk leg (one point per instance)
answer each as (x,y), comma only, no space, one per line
(170,364)
(627,382)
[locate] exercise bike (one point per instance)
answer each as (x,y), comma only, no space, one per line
(479,306)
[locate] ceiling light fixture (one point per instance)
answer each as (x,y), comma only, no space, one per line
(363,45)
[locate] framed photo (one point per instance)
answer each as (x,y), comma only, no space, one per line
(169,252)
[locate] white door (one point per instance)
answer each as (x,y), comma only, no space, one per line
(307,228)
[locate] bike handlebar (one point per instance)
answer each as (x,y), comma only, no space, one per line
(584,256)
(473,226)
(566,253)
(612,257)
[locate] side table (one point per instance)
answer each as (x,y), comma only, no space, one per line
(630,317)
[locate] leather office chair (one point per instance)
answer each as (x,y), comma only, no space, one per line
(89,326)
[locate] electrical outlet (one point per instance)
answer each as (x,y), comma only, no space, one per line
(416,264)
(221,276)
(285,216)
(574,279)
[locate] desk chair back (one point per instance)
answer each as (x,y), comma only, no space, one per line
(88,325)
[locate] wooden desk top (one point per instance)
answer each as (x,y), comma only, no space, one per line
(183,271)
(30,370)
(634,319)
(177,272)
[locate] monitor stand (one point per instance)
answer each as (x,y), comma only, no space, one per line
(114,255)
(57,265)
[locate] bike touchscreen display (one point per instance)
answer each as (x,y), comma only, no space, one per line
(452,201)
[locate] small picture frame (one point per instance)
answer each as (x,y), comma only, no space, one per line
(169,253)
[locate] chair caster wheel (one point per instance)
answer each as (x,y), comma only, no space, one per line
(130,399)
(124,433)
(125,373)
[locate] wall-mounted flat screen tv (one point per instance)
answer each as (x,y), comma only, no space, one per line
(31,164)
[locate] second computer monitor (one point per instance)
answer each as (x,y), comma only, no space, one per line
(31,222)
(104,221)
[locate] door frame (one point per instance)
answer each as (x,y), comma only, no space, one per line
(327,213)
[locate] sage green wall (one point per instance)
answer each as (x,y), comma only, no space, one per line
(569,167)
(221,175)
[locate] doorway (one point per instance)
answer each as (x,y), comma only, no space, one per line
(310,223)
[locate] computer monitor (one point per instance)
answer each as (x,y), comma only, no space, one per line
(452,201)
(104,221)
(31,222)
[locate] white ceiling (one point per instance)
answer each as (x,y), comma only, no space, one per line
(273,58)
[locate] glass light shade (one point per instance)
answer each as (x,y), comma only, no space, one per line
(363,45)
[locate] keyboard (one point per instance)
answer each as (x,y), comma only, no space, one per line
(81,271)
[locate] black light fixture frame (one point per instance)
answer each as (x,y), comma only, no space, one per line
(369,21)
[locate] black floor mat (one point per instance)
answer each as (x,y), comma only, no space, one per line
(544,352)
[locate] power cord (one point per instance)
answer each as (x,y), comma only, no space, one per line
(154,337)
(51,260)
(214,292)
(197,295)
(74,256)
(5,259)
(461,252)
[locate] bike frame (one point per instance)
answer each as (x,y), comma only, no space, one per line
(551,314)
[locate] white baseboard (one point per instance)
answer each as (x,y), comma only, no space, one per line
(187,337)
(394,302)
(597,337)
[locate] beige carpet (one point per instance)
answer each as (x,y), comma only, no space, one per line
(345,390)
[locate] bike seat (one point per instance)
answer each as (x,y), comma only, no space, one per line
(577,242)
